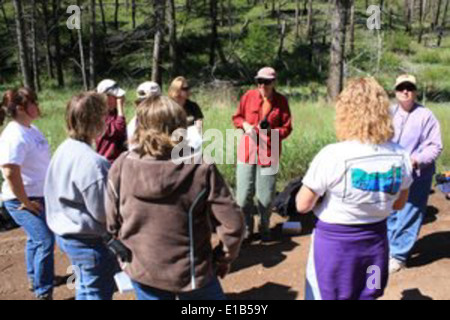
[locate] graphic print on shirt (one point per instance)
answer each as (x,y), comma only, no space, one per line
(388,182)
(374,179)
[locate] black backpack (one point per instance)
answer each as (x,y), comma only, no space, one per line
(284,202)
(6,222)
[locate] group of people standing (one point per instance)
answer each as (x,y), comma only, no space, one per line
(163,213)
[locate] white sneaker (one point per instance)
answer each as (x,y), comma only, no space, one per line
(395,265)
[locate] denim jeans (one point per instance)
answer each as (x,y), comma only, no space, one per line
(213,291)
(404,225)
(250,182)
(39,251)
(94,266)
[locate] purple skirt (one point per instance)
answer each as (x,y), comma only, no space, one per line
(348,262)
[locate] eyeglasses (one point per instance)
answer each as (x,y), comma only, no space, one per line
(265,82)
(186,88)
(407,87)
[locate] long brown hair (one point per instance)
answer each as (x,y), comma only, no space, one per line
(157,119)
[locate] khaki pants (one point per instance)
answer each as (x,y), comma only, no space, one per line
(252,181)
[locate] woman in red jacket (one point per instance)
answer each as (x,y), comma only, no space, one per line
(265,117)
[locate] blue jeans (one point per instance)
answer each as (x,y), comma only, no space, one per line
(404,225)
(213,291)
(94,266)
(39,251)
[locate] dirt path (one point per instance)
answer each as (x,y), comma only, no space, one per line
(276,270)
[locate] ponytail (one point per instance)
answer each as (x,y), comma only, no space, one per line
(13,99)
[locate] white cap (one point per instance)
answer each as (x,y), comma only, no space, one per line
(147,90)
(110,87)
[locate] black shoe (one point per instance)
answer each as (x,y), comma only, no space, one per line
(266,236)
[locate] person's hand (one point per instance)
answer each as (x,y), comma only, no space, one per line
(33,206)
(222,270)
(247,127)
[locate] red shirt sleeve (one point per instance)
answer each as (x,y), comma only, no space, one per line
(239,116)
(286,120)
(117,128)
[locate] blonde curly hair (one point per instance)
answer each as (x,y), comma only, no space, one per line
(362,113)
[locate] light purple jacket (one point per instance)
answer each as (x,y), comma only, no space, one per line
(419,132)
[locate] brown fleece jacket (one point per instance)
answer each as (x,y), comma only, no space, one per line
(147,208)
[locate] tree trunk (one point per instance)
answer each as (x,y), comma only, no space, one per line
(421,9)
(297,19)
(338,30)
(282,36)
(82,58)
(22,44)
(116,15)
(444,18)
(56,34)
(48,54)
(438,14)
(92,46)
(172,26)
(214,35)
(352,26)
(408,16)
(159,8)
(133,13)
(34,49)
(309,24)
(102,11)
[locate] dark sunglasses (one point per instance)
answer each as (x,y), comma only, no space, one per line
(407,87)
(186,88)
(264,81)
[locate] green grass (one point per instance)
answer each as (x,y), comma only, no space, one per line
(313,124)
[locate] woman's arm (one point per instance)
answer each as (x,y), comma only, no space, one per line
(13,176)
(306,200)
(399,204)
(112,196)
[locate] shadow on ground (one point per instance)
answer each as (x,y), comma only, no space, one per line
(269,255)
(270,290)
(414,294)
(431,215)
(431,248)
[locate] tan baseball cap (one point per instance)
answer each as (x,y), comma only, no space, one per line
(406,78)
(148,89)
(267,73)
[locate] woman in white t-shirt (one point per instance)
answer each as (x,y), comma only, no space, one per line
(361,179)
(24,159)
(145,90)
